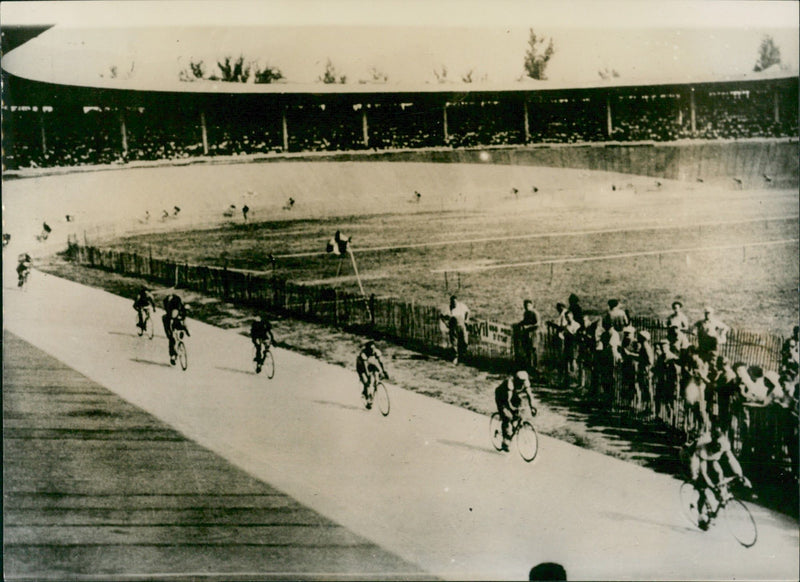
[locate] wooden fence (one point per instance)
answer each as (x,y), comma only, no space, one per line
(492,343)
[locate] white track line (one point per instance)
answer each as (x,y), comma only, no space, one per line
(617,256)
(542,235)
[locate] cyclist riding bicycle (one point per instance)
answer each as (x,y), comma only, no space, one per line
(708,450)
(262,338)
(144,300)
(367,362)
(174,319)
(508,397)
(23,268)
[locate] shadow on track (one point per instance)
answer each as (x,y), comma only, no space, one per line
(237,370)
(123,334)
(467,446)
(340,405)
(151,362)
(616,516)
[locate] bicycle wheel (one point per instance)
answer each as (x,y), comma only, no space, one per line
(689,503)
(150,327)
(381,396)
(527,441)
(496,430)
(269,363)
(740,522)
(139,328)
(183,358)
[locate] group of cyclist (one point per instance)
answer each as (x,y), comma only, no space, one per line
(707,456)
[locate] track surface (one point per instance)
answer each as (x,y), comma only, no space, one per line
(95,487)
(423,483)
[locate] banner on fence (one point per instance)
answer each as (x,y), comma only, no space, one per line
(488,332)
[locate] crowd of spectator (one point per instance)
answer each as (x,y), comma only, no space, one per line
(682,379)
(69,135)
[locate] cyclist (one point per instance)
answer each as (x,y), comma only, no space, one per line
(708,450)
(262,338)
(174,319)
(367,362)
(144,301)
(23,268)
(508,397)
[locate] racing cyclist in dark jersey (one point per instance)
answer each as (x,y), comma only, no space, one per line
(174,319)
(508,397)
(367,362)
(262,338)
(144,300)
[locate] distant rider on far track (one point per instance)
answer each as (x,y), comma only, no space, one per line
(174,319)
(508,397)
(23,268)
(367,362)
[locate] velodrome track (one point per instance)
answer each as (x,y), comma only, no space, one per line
(423,483)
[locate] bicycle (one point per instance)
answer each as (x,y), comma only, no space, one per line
(180,349)
(376,391)
(266,360)
(737,517)
(522,430)
(146,327)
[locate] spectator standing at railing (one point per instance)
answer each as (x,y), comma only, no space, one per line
(667,381)
(615,317)
(644,375)
(610,358)
(528,338)
(557,326)
(711,333)
(629,352)
(678,320)
(725,393)
(576,309)
(571,338)
(790,358)
(457,326)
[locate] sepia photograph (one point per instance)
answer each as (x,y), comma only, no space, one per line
(400,290)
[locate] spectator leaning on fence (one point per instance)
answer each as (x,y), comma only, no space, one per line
(677,319)
(644,376)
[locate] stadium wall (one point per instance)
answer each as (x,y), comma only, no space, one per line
(756,163)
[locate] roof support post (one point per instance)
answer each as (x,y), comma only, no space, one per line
(364,125)
(776,107)
(446,132)
(284,130)
(42,131)
(204,131)
(123,130)
(693,111)
(609,120)
(526,122)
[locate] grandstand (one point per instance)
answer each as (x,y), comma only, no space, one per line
(47,124)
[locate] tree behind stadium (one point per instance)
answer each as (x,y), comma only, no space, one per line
(768,54)
(537,56)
